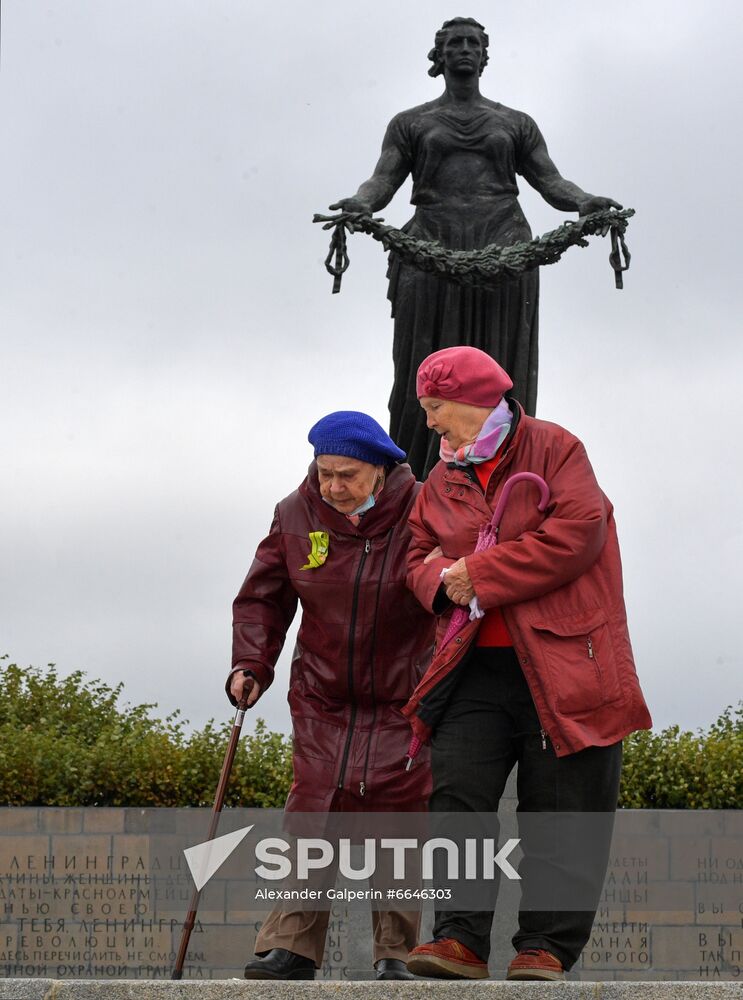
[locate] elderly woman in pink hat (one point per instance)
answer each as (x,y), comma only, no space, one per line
(545,679)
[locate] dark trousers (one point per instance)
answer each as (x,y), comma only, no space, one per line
(489,725)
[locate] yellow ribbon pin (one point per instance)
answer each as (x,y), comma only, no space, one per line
(320,544)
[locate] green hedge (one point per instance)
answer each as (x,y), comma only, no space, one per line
(70,742)
(678,769)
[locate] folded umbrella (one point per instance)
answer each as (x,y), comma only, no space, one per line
(486,539)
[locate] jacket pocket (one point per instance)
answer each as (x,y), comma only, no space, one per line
(580,660)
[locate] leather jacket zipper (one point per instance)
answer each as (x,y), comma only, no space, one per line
(351,644)
(373,652)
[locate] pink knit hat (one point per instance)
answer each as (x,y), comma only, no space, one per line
(464,375)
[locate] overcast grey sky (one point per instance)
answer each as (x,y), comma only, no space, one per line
(169,336)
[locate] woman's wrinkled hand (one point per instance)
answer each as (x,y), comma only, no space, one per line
(245,687)
(458,585)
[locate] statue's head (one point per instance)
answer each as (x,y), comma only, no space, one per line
(436,55)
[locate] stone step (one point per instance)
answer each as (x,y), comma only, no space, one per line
(125,989)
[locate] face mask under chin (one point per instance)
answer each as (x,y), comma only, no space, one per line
(365,506)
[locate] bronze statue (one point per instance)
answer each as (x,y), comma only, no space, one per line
(464,152)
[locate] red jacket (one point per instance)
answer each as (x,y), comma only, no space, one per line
(556,576)
(363,644)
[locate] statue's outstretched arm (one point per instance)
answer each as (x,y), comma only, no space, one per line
(389,173)
(543,175)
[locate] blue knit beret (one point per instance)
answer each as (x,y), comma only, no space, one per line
(355,435)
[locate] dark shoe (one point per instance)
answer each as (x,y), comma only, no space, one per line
(280,964)
(535,963)
(392,968)
(446,959)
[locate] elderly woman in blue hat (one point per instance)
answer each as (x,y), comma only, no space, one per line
(337,546)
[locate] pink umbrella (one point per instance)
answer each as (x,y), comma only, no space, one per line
(486,539)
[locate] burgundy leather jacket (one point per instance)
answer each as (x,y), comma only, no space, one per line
(364,642)
(557,577)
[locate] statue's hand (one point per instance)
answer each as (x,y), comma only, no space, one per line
(352,205)
(595,203)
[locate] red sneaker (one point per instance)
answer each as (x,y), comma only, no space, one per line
(535,963)
(446,959)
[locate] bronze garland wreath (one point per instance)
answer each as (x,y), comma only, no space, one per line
(483,268)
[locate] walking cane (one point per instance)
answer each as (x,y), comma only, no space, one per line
(224,778)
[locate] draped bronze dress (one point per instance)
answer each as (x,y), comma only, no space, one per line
(464,167)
